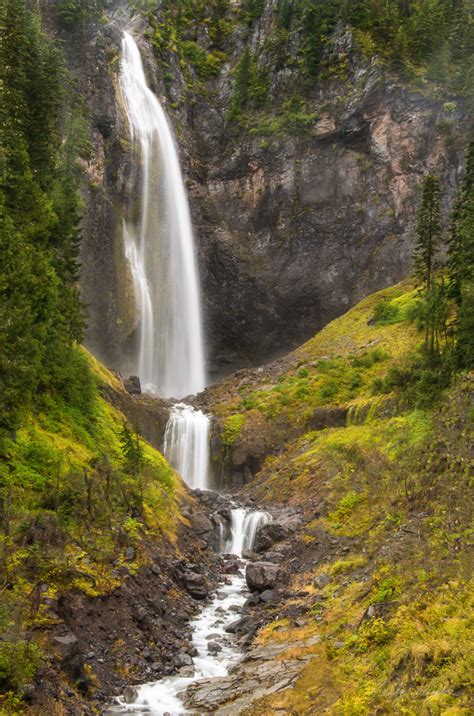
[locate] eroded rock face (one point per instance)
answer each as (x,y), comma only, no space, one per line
(290,231)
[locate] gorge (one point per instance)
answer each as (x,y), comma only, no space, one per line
(236,355)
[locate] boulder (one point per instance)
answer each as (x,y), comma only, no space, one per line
(201,524)
(132,385)
(245,625)
(250,555)
(270,596)
(183,659)
(262,575)
(268,535)
(195,584)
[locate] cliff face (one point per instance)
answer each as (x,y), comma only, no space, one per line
(294,222)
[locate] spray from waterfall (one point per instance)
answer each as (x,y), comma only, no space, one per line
(159,246)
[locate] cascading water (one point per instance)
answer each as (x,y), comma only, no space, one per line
(187,444)
(163,697)
(244,526)
(159,247)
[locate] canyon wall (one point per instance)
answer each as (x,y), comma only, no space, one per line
(294,222)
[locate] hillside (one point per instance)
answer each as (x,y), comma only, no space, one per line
(236,357)
(380,566)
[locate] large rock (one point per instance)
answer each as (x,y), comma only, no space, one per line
(195,584)
(268,535)
(201,524)
(262,575)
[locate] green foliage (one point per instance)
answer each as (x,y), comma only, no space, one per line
(132,451)
(76,12)
(385,313)
(252,9)
(251,86)
(192,30)
(461,266)
(19,661)
(40,312)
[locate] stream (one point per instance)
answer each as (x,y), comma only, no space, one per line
(216,649)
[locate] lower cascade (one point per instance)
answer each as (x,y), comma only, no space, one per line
(165,696)
(186,444)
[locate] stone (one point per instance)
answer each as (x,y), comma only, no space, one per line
(245,625)
(201,524)
(195,584)
(66,645)
(130,553)
(321,580)
(268,535)
(132,385)
(270,596)
(183,659)
(262,575)
(250,555)
(129,694)
(213,647)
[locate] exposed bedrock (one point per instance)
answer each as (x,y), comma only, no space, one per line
(291,230)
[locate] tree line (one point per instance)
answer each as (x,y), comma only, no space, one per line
(40,311)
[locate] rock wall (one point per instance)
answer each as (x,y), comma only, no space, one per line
(291,229)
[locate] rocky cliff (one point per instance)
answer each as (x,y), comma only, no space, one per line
(299,211)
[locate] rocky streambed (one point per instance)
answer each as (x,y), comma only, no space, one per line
(216,666)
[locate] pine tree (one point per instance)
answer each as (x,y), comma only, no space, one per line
(426,262)
(461,266)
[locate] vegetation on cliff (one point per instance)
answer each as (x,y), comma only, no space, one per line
(420,40)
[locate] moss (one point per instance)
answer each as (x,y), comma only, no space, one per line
(233,426)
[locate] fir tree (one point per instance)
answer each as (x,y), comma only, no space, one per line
(461,266)
(426,261)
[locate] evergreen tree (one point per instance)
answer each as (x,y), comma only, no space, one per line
(461,265)
(132,451)
(426,261)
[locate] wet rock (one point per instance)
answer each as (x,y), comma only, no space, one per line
(183,659)
(268,535)
(250,555)
(133,385)
(213,647)
(245,625)
(262,575)
(130,694)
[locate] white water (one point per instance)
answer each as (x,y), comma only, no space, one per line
(162,697)
(244,529)
(159,247)
(187,444)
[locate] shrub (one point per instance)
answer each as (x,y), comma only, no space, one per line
(385,313)
(19,661)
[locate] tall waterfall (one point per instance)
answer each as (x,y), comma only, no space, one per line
(159,246)
(187,444)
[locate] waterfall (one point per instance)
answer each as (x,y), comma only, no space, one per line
(159,246)
(244,526)
(187,444)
